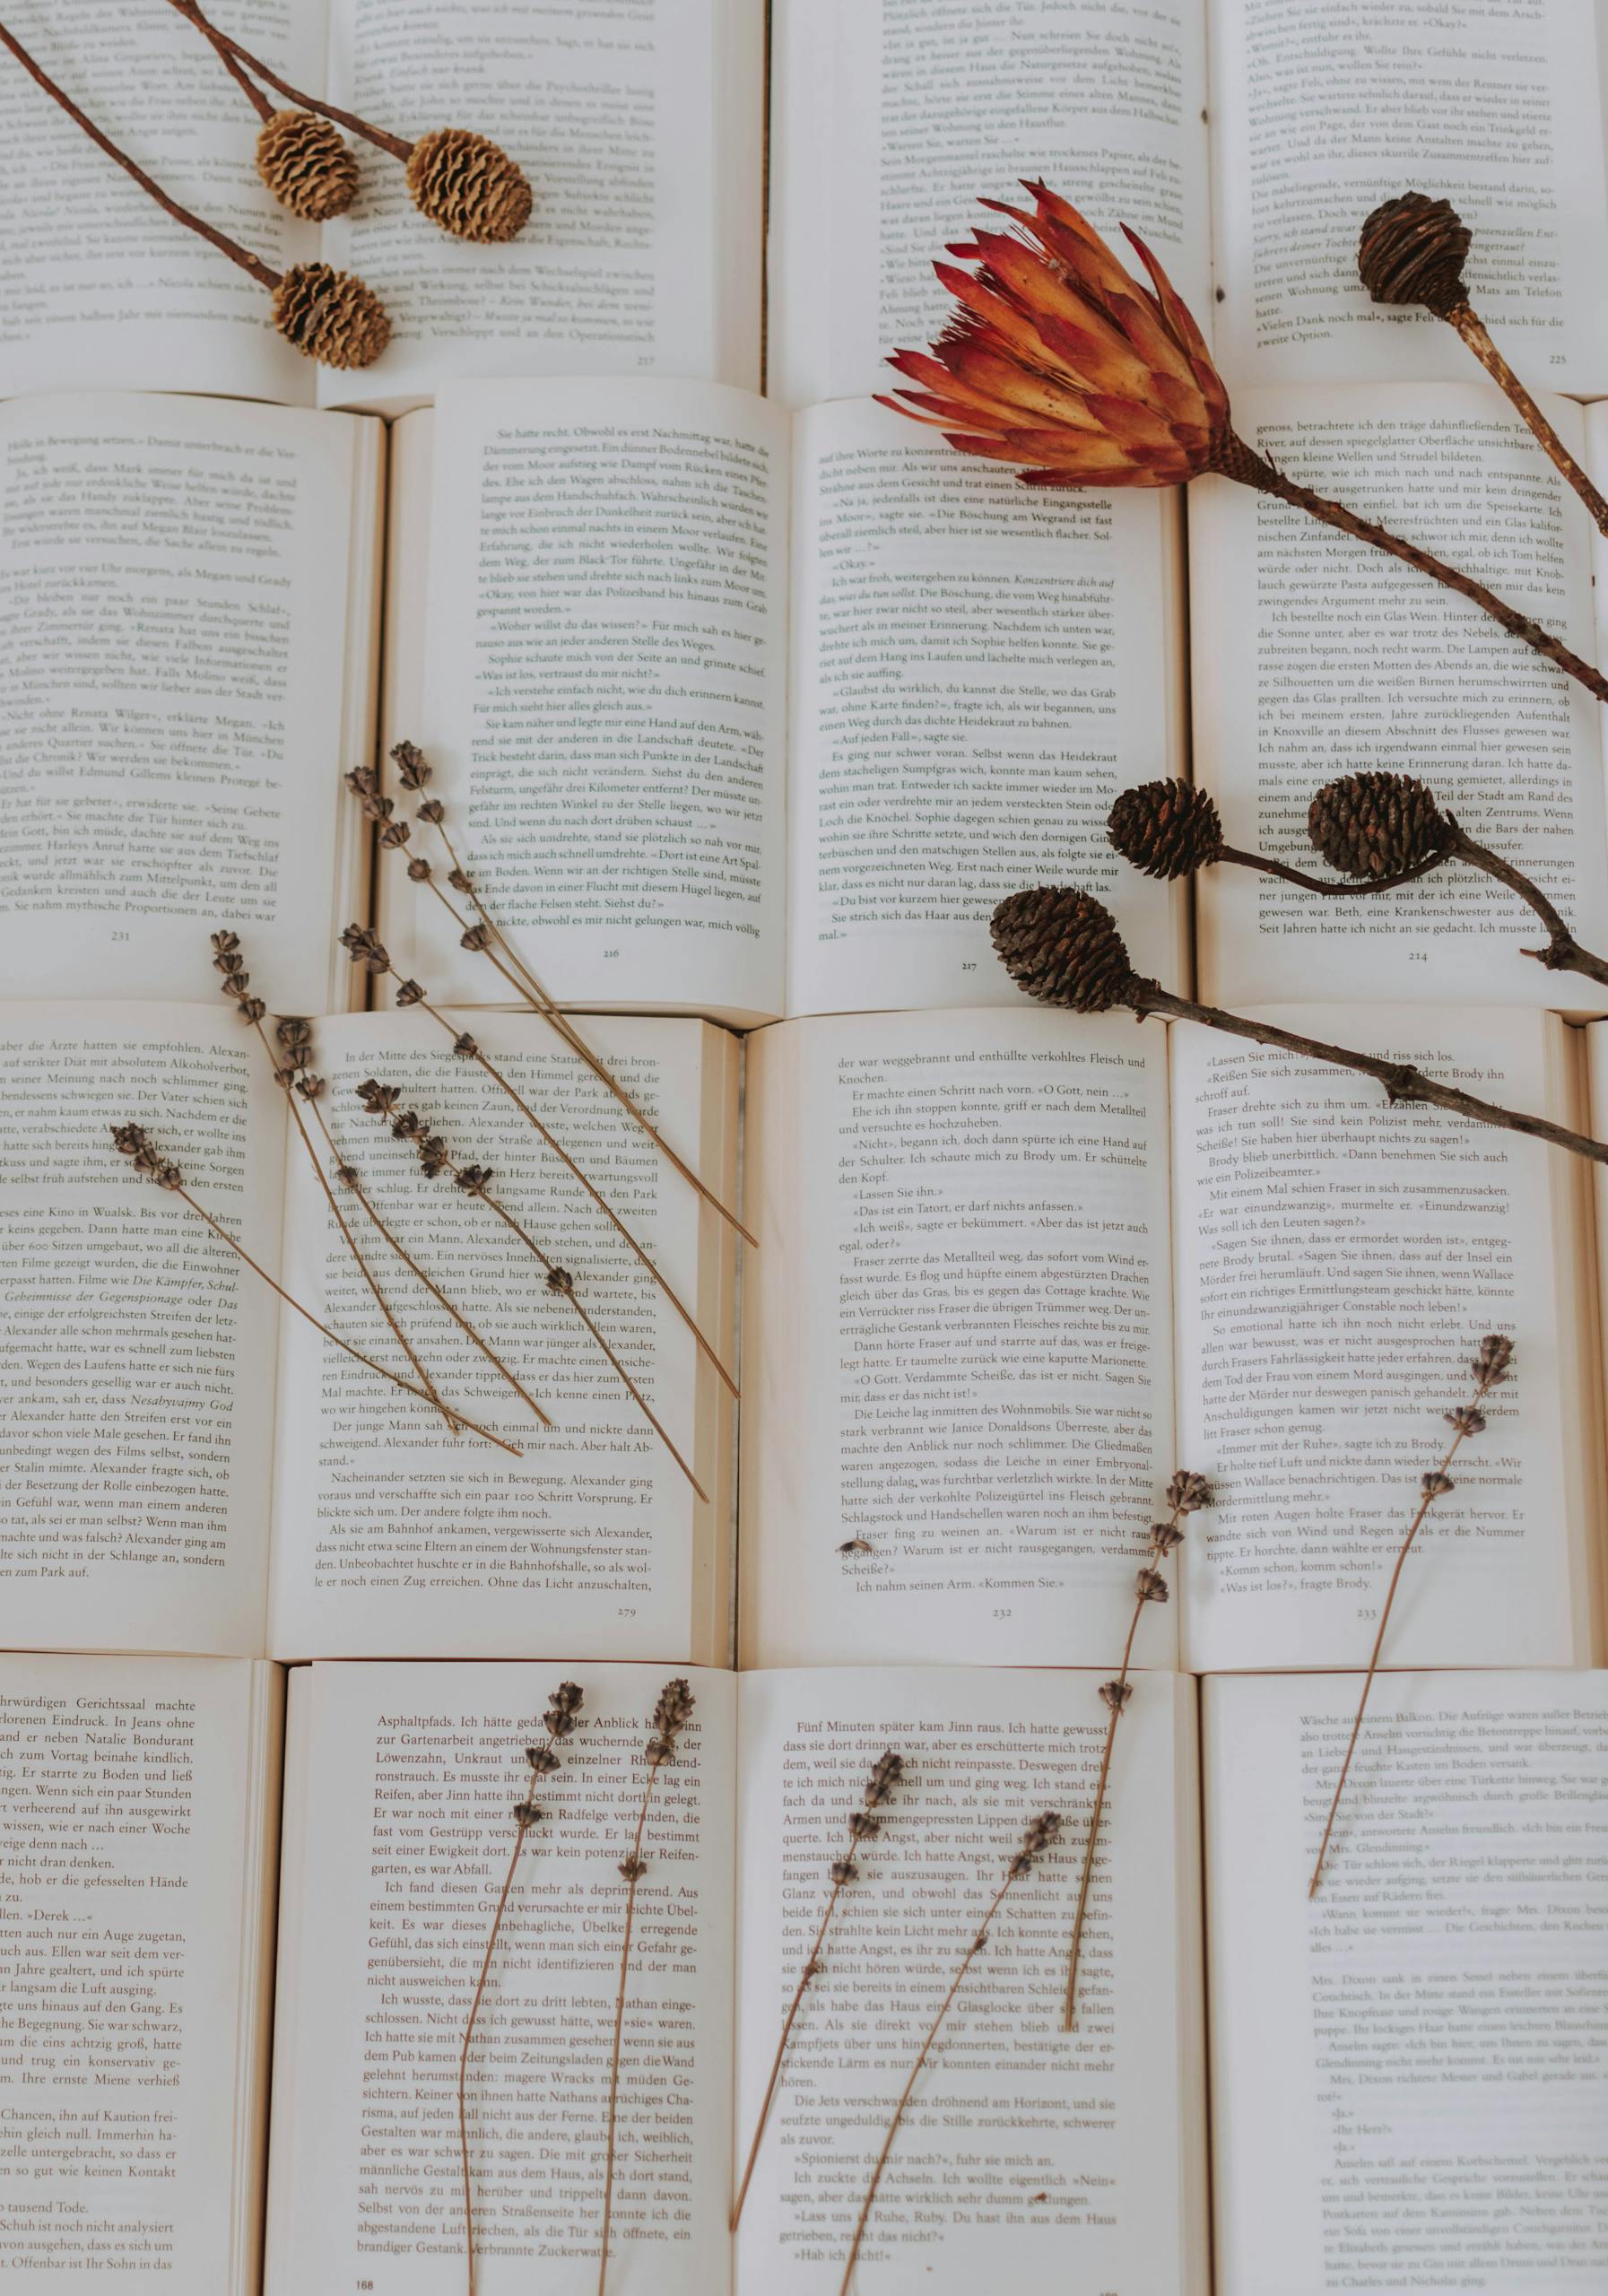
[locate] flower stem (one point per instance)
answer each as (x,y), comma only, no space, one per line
(225,43)
(811,1967)
(522,1826)
(1241,462)
(635,1863)
(264,274)
(1075,1951)
(1471,328)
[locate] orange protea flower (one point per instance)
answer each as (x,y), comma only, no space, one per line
(1058,358)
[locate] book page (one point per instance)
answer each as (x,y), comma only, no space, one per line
(1316,655)
(137,1880)
(393,1535)
(1319,114)
(1338,1261)
(959,1354)
(640,129)
(401,1832)
(1407,2077)
(891,118)
(189,600)
(99,288)
(979,668)
(137,1351)
(603,689)
(1029,2158)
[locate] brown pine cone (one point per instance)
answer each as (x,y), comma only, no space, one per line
(1413,250)
(1063,947)
(468,184)
(1168,829)
(330,316)
(306,165)
(1376,824)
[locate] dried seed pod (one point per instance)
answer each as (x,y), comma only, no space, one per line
(1168,829)
(307,164)
(1489,1366)
(1063,947)
(1376,824)
(469,186)
(1413,250)
(330,316)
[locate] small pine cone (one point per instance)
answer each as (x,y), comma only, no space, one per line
(1063,947)
(469,186)
(306,165)
(329,316)
(1376,824)
(1413,250)
(1168,829)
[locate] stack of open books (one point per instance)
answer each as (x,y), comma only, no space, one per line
(749,708)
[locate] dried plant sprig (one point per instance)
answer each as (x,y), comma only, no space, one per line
(1171,829)
(1058,360)
(459,181)
(134,1140)
(563,1710)
(864,1825)
(1042,1835)
(485,937)
(1411,252)
(1375,825)
(1185,1494)
(364,948)
(326,315)
(300,157)
(671,1717)
(1490,1368)
(1063,948)
(384,1101)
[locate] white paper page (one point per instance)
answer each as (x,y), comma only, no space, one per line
(1029,2158)
(640,130)
(604,688)
(99,288)
(891,118)
(411,1774)
(187,596)
(1338,1263)
(1407,2079)
(1316,655)
(1319,114)
(978,667)
(136,1352)
(136,1858)
(392,1537)
(959,1338)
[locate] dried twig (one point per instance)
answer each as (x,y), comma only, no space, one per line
(670,1717)
(1042,1835)
(1490,1368)
(541,1761)
(863,1825)
(1185,1493)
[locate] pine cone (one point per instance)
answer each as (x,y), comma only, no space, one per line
(1413,250)
(330,316)
(306,165)
(1376,824)
(1063,947)
(1168,829)
(468,184)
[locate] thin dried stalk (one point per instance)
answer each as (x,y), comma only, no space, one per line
(862,1826)
(559,1718)
(228,46)
(363,948)
(1040,1836)
(383,1101)
(670,1717)
(133,1140)
(1489,1369)
(1185,1493)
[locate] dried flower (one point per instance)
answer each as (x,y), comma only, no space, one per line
(412,768)
(1167,828)
(1187,1494)
(306,165)
(1150,1587)
(1117,1694)
(670,1717)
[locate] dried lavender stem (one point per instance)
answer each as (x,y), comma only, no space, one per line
(625,1954)
(1234,460)
(1471,328)
(398,148)
(1076,1952)
(811,1967)
(265,275)
(308,1316)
